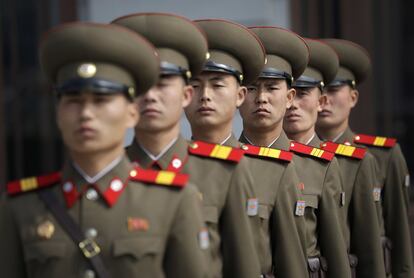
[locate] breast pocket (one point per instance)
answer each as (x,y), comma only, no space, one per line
(43,251)
(137,247)
(45,258)
(210,214)
(311,201)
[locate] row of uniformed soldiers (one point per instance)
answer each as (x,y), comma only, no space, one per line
(297,195)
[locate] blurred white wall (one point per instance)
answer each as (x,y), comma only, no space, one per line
(247,12)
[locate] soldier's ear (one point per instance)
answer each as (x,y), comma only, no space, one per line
(354,97)
(323,99)
(241,95)
(188,93)
(132,114)
(291,93)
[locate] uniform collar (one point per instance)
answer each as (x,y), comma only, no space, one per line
(346,137)
(315,141)
(173,156)
(109,185)
(244,139)
(231,141)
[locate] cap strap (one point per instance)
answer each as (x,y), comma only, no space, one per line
(278,74)
(307,81)
(94,85)
(172,69)
(213,66)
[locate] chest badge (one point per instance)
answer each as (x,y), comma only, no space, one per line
(252,206)
(45,229)
(300,208)
(137,224)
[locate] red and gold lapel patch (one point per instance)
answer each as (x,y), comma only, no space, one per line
(33,183)
(167,178)
(311,151)
(215,151)
(376,141)
(267,152)
(344,150)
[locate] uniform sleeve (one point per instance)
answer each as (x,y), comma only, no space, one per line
(395,202)
(365,230)
(187,252)
(239,255)
(331,238)
(11,256)
(288,232)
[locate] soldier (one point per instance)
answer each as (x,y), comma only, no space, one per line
(389,193)
(100,217)
(263,112)
(358,173)
(326,219)
(219,90)
(219,172)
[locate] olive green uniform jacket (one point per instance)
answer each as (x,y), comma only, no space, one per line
(321,192)
(363,235)
(163,241)
(225,188)
(393,181)
(278,232)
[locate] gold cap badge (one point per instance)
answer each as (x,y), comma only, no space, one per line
(87,70)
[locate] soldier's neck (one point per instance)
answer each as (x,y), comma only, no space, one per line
(332,132)
(93,163)
(262,136)
(155,142)
(214,135)
(302,137)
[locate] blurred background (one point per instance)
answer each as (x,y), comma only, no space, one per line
(29,140)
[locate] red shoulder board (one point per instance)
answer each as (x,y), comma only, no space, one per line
(32,183)
(344,150)
(167,178)
(311,151)
(376,141)
(216,151)
(267,152)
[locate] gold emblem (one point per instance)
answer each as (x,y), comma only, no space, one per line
(46,229)
(87,70)
(131,92)
(188,74)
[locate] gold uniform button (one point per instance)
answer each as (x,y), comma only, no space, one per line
(46,230)
(91,194)
(89,274)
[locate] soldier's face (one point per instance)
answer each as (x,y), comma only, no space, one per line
(335,112)
(266,103)
(302,115)
(93,123)
(216,98)
(162,106)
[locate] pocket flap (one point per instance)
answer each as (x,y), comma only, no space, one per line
(44,250)
(210,214)
(264,211)
(310,200)
(137,247)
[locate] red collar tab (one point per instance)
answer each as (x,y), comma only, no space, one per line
(33,183)
(344,150)
(216,151)
(376,141)
(311,151)
(165,178)
(265,152)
